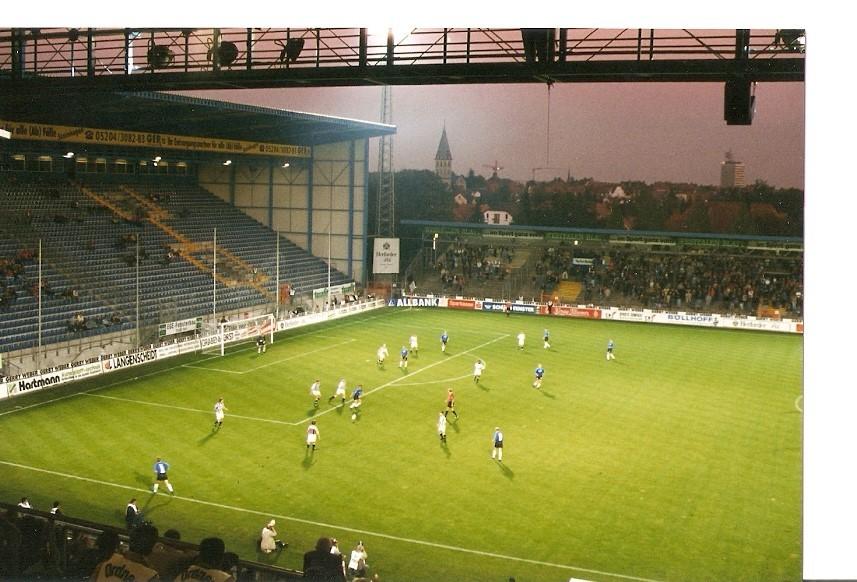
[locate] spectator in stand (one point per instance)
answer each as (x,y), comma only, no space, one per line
(168,560)
(132,565)
(209,563)
(322,566)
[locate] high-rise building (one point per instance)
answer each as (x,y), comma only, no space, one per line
(731,172)
(443,160)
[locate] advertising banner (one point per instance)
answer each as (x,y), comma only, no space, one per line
(385,257)
(414,302)
(584,312)
(181,326)
(626,314)
(125,138)
(128,360)
(515,307)
(461,304)
(698,319)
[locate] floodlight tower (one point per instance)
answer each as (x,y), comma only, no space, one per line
(386,178)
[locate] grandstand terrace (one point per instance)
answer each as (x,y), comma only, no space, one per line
(127,194)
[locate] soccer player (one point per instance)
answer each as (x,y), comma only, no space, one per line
(340,391)
(414,346)
(450,403)
(521,339)
(497,438)
(315,391)
(355,401)
(261,347)
(547,337)
(160,468)
(403,362)
(444,338)
(477,370)
(219,410)
(312,436)
(441,426)
(540,372)
(382,355)
(610,354)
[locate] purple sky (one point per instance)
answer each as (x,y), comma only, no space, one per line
(606,131)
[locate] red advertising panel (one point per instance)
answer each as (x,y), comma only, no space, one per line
(461,304)
(569,311)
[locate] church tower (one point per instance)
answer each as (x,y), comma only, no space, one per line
(443,160)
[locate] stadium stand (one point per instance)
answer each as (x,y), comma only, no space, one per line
(89,233)
(37,545)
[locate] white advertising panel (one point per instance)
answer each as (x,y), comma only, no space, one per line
(385,257)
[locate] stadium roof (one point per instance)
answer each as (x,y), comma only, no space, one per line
(181,115)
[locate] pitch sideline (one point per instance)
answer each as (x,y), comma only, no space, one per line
(331,526)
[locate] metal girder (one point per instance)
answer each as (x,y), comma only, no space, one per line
(190,59)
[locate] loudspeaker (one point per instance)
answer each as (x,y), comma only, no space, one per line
(739,103)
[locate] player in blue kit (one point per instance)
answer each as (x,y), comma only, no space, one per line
(444,338)
(355,401)
(540,372)
(403,358)
(160,468)
(610,354)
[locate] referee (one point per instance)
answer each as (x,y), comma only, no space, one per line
(161,467)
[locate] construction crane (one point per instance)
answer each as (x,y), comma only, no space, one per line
(495,168)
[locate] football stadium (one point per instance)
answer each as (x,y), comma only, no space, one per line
(233,346)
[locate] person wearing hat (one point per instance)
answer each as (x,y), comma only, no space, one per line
(269,541)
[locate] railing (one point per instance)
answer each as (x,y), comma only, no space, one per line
(94,52)
(62,537)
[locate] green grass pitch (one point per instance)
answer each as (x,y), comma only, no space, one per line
(679,461)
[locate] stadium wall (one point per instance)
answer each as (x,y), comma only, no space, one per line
(307,201)
(712,320)
(107,363)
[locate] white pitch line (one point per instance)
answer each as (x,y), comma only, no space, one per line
(328,526)
(415,372)
(186,409)
(436,381)
(798,399)
(177,366)
(275,362)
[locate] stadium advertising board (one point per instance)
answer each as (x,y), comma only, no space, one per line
(385,258)
(416,302)
(515,307)
(125,138)
(181,326)
(569,311)
(4,392)
(461,304)
(128,360)
(626,314)
(681,318)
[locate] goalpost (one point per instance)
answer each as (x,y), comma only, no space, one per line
(231,332)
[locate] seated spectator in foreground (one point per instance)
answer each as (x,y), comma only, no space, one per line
(168,560)
(132,565)
(208,564)
(321,565)
(85,562)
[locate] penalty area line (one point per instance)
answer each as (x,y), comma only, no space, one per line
(328,526)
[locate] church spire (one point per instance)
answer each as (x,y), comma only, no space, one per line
(443,160)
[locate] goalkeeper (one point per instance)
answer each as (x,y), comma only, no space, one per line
(261,345)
